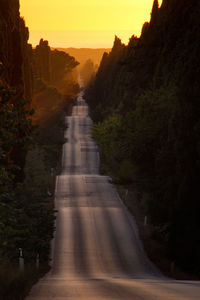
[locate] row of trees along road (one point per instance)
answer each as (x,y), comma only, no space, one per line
(145,103)
(36,86)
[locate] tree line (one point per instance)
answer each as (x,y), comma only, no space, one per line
(36,88)
(145,104)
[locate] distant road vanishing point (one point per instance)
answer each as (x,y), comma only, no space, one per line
(97,254)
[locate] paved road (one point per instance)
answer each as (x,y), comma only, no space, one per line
(96,252)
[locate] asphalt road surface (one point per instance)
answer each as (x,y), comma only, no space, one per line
(96,252)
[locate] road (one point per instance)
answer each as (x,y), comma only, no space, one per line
(96,252)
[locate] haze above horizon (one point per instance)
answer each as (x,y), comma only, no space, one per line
(84,23)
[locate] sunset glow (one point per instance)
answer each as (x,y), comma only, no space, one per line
(84,23)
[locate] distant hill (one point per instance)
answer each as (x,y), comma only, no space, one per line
(83,54)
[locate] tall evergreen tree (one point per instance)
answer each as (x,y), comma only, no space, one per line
(155,11)
(153,84)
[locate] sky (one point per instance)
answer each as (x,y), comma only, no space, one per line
(84,23)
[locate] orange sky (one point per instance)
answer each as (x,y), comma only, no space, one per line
(84,23)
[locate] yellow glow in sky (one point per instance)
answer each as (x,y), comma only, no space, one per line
(84,23)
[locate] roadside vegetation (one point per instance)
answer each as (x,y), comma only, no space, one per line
(27,207)
(144,101)
(37,88)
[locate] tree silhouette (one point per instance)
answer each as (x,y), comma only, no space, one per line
(153,84)
(155,11)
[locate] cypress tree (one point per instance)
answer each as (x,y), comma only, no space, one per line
(155,10)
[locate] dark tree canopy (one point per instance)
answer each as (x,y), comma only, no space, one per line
(152,88)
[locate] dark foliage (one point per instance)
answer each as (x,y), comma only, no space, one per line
(29,158)
(54,67)
(153,87)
